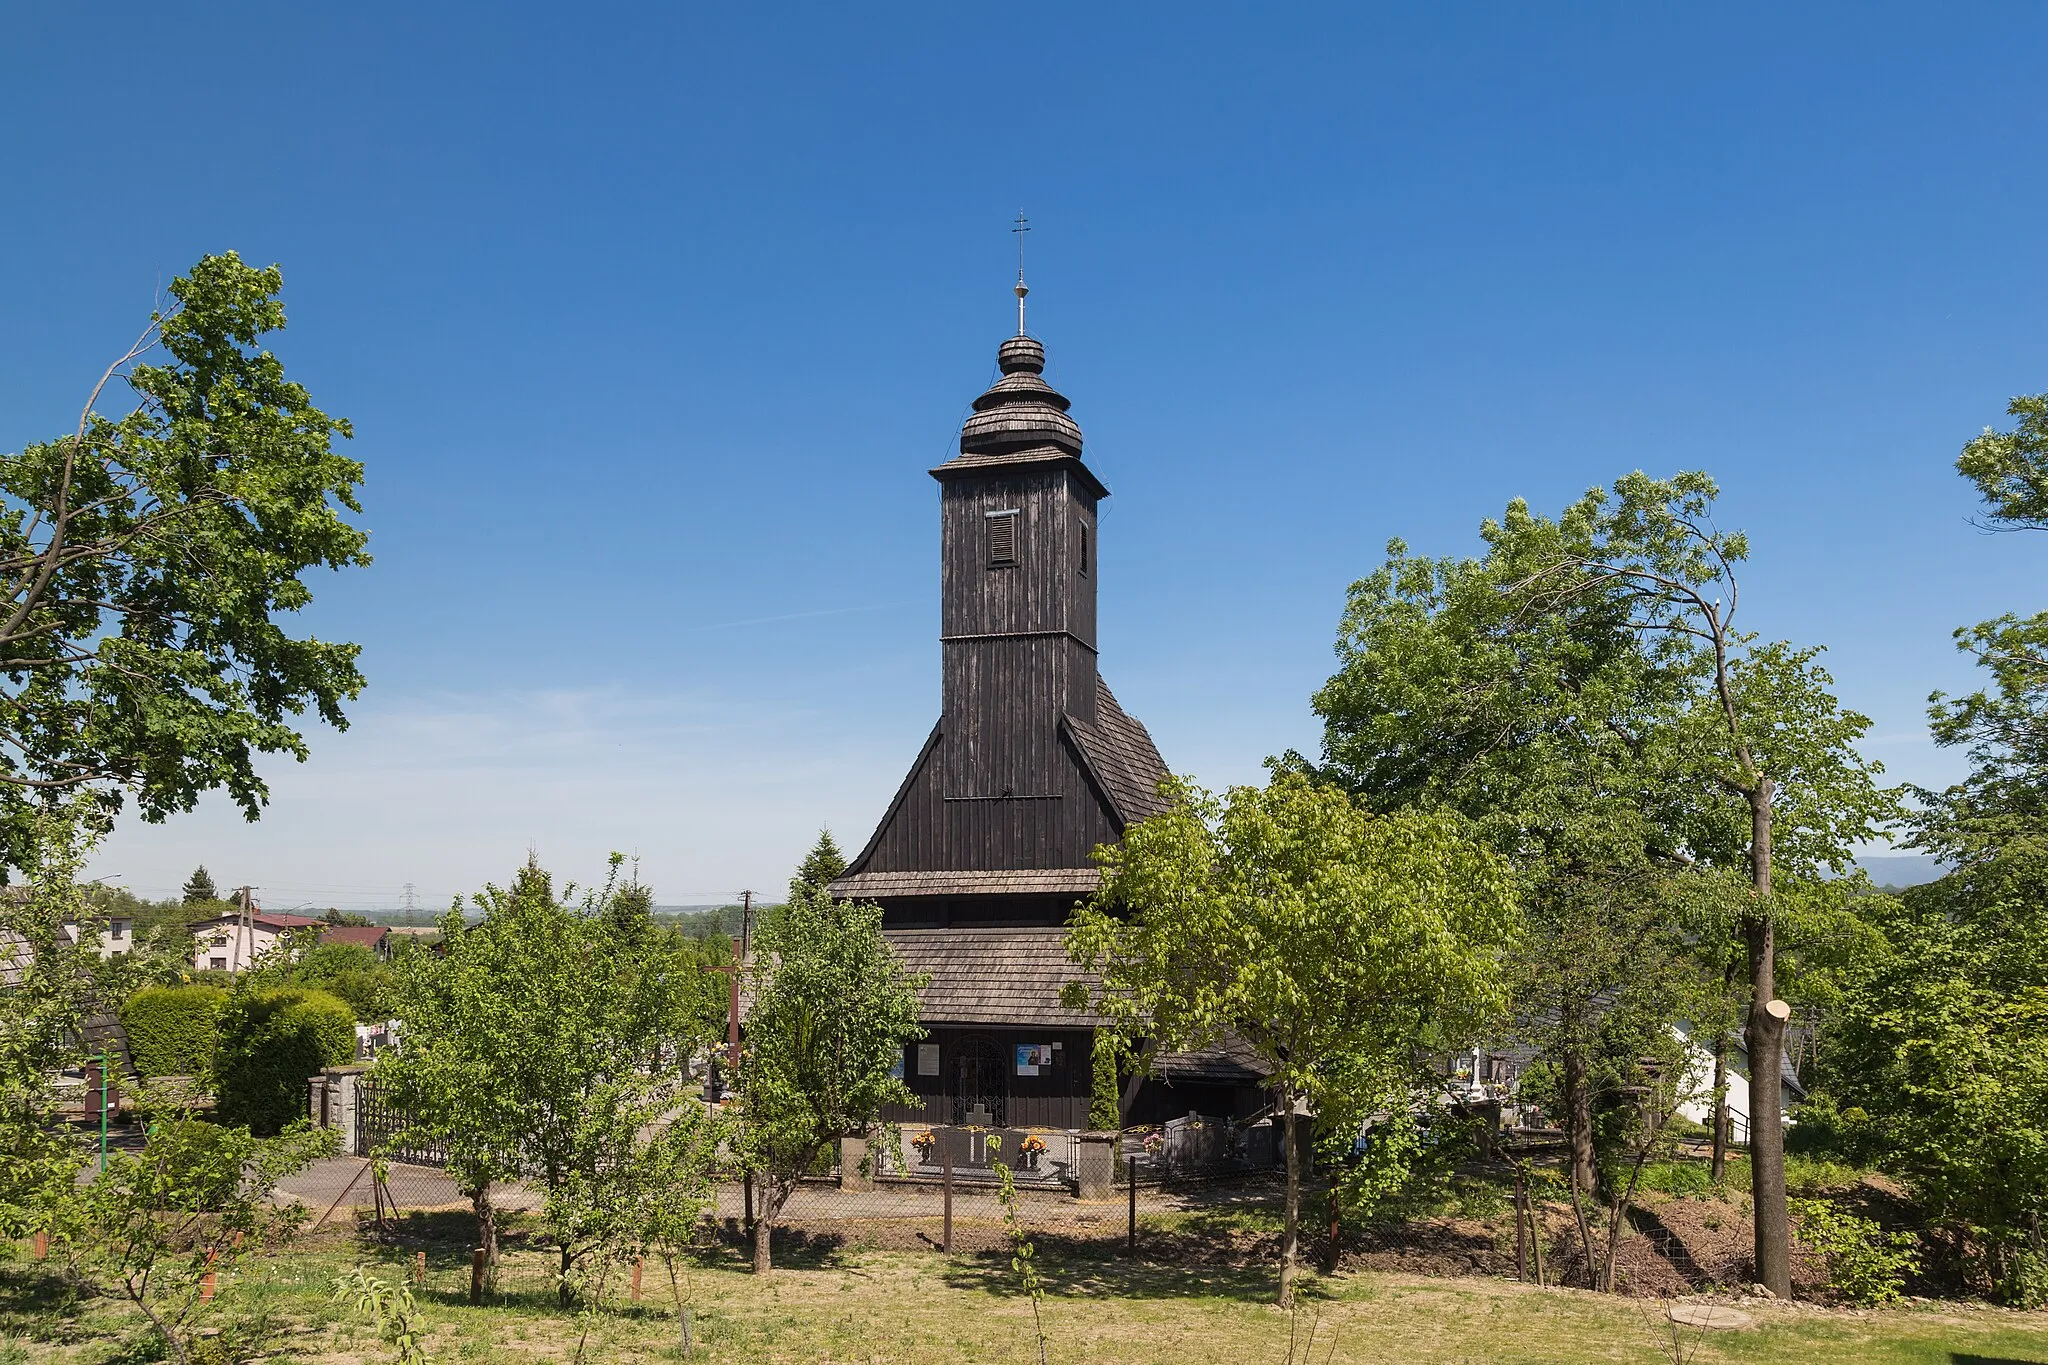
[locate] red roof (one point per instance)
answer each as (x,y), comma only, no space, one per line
(369,935)
(276,923)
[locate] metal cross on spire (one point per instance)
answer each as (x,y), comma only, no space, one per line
(1023,226)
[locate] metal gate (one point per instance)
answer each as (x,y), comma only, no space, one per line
(378,1121)
(980,1081)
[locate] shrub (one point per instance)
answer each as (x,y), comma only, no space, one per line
(1823,1128)
(1669,1177)
(1866,1264)
(172,1030)
(1104,1112)
(271,1042)
(1814,1176)
(352,972)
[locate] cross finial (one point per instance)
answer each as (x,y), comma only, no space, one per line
(1023,226)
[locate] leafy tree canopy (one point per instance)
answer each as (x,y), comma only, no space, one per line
(2010,468)
(550,1027)
(1345,948)
(147,561)
(832,1013)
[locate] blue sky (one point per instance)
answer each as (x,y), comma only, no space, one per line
(650,320)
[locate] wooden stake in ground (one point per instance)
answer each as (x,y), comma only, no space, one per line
(476,1276)
(1521,1228)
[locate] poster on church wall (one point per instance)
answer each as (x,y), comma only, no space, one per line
(1027,1059)
(927,1059)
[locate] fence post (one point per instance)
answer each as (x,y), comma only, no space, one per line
(1521,1230)
(947,1244)
(747,1181)
(1131,1179)
(206,1281)
(1333,1231)
(476,1276)
(42,1244)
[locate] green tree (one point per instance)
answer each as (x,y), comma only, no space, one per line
(147,562)
(534,1041)
(1345,948)
(199,887)
(348,971)
(2010,468)
(194,1201)
(1942,1056)
(1550,734)
(832,1013)
(48,990)
(822,866)
(1778,791)
(1942,1050)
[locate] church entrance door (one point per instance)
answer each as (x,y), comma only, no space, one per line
(981,1083)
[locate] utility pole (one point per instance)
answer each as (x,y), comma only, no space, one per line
(245,929)
(732,1009)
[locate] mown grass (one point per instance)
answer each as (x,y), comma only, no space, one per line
(908,1306)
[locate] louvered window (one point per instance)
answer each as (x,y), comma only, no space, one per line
(1002,537)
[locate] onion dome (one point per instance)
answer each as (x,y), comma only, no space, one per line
(1020,411)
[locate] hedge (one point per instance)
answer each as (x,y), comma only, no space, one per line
(172,1029)
(271,1042)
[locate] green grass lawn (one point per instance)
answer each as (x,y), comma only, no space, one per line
(923,1307)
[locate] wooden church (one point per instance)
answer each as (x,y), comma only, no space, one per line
(985,850)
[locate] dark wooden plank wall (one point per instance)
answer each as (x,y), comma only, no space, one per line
(1056,1100)
(1059,824)
(1045,589)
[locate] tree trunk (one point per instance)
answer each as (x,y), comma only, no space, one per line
(486,1234)
(1719,1170)
(772,1196)
(565,1294)
(173,1344)
(1290,1237)
(1578,1110)
(1765,1036)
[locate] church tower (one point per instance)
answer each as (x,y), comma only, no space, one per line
(1032,764)
(988,845)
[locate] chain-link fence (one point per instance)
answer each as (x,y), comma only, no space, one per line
(963,1211)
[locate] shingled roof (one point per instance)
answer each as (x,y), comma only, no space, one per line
(1119,749)
(993,976)
(1056,881)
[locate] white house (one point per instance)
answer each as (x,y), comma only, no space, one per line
(1699,1084)
(227,944)
(116,933)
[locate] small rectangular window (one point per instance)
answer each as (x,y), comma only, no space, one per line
(1002,537)
(1084,551)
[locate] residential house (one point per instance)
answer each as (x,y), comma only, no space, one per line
(116,933)
(375,937)
(233,943)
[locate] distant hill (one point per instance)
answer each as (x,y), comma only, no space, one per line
(1902,869)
